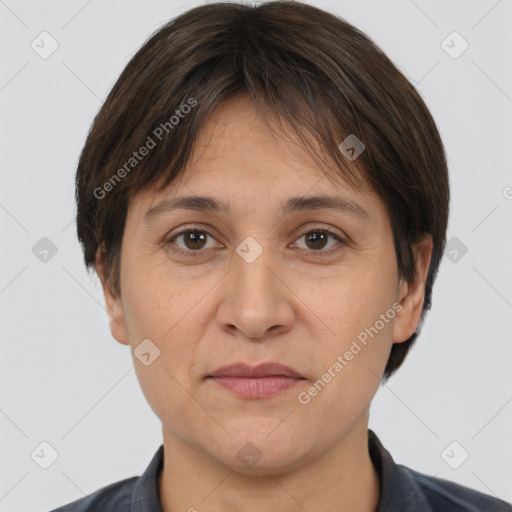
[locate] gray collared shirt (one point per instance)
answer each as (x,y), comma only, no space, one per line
(402,490)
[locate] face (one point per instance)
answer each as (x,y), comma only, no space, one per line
(315,289)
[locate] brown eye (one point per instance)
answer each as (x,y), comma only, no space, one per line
(192,242)
(316,239)
(194,239)
(317,242)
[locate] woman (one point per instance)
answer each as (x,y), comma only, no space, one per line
(265,199)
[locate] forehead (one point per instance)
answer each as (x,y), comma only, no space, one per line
(235,132)
(238,157)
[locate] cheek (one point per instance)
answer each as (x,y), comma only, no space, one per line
(168,396)
(170,313)
(353,299)
(350,361)
(357,315)
(166,318)
(158,304)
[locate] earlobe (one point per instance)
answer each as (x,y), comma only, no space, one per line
(411,295)
(113,303)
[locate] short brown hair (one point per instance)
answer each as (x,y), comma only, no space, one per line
(310,70)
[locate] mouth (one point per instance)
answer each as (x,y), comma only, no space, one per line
(255,382)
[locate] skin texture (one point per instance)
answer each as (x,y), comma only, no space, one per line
(290,305)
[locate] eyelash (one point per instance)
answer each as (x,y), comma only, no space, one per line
(194,229)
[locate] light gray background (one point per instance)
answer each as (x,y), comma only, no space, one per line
(66,381)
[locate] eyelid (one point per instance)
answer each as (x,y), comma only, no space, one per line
(169,239)
(342,239)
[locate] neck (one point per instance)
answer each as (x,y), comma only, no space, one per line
(342,479)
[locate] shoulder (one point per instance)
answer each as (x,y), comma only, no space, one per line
(443,494)
(136,493)
(403,488)
(113,497)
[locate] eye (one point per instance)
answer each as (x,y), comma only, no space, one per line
(194,240)
(317,240)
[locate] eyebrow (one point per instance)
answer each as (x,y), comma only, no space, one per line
(293,204)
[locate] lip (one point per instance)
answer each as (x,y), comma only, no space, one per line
(253,382)
(261,370)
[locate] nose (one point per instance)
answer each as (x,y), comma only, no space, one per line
(256,301)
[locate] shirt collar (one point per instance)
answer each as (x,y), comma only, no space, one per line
(398,489)
(145,496)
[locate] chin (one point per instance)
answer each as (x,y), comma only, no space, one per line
(249,460)
(262,447)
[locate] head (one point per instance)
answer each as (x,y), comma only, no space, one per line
(259,107)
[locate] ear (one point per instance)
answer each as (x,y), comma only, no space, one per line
(411,295)
(113,303)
